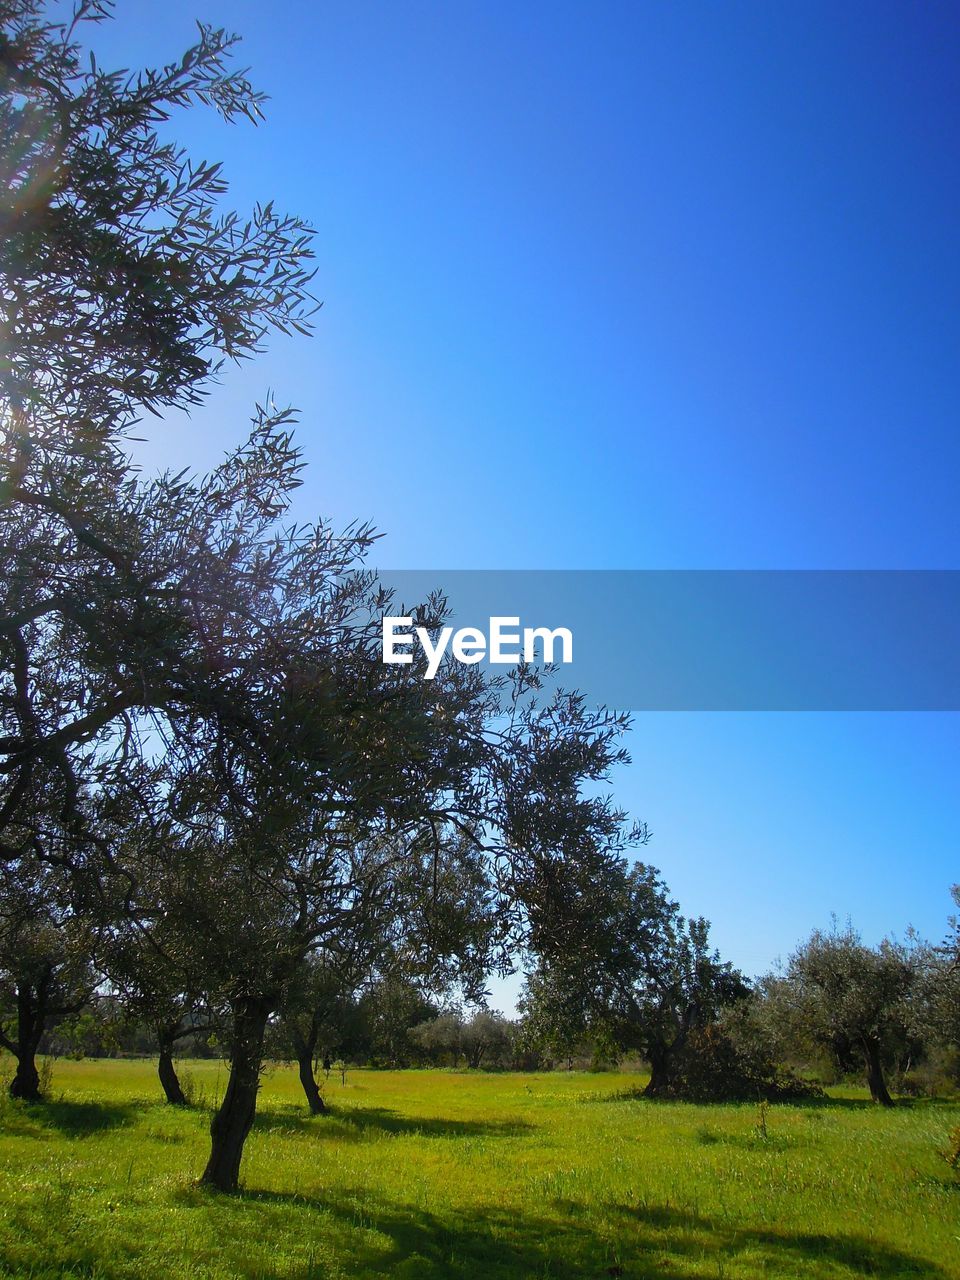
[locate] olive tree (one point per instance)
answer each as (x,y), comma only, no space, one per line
(46,970)
(123,283)
(316,832)
(150,991)
(316,1005)
(836,990)
(639,976)
(435,934)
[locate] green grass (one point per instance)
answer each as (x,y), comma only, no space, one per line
(435,1174)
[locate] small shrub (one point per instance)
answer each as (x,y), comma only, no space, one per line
(714,1068)
(45,1072)
(761,1125)
(194,1092)
(936,1077)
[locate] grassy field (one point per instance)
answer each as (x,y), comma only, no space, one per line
(436,1174)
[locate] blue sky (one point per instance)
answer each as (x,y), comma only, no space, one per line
(642,286)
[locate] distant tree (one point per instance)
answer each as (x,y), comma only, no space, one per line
(313,1017)
(46,972)
(951,945)
(945,987)
(643,977)
(436,932)
(837,990)
(483,1038)
(391,1009)
(440,1038)
(934,1005)
(486,1039)
(152,990)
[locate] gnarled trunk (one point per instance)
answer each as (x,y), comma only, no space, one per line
(665,1053)
(26,1080)
(305,1047)
(30,1023)
(661,1061)
(167,1071)
(234,1118)
(875,1079)
(310,1087)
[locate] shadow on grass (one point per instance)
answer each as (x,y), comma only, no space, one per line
(357,1122)
(75,1119)
(408,1243)
(867,1104)
(378,1238)
(684,1232)
(826,1103)
(386,1120)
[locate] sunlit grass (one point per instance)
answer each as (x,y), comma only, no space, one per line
(435,1174)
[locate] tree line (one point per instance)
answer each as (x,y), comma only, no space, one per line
(887,1015)
(221,814)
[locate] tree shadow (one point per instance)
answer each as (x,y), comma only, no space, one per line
(410,1243)
(355,1123)
(387,1120)
(825,1103)
(751,1141)
(859,1254)
(867,1104)
(633,1093)
(406,1242)
(77,1119)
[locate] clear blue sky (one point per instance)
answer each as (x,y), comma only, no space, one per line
(644,286)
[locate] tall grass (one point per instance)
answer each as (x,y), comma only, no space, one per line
(435,1174)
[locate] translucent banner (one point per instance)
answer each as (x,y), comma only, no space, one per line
(871,640)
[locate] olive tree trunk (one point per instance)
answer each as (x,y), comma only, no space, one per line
(234,1118)
(310,1087)
(167,1072)
(30,1024)
(661,1060)
(305,1047)
(875,1078)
